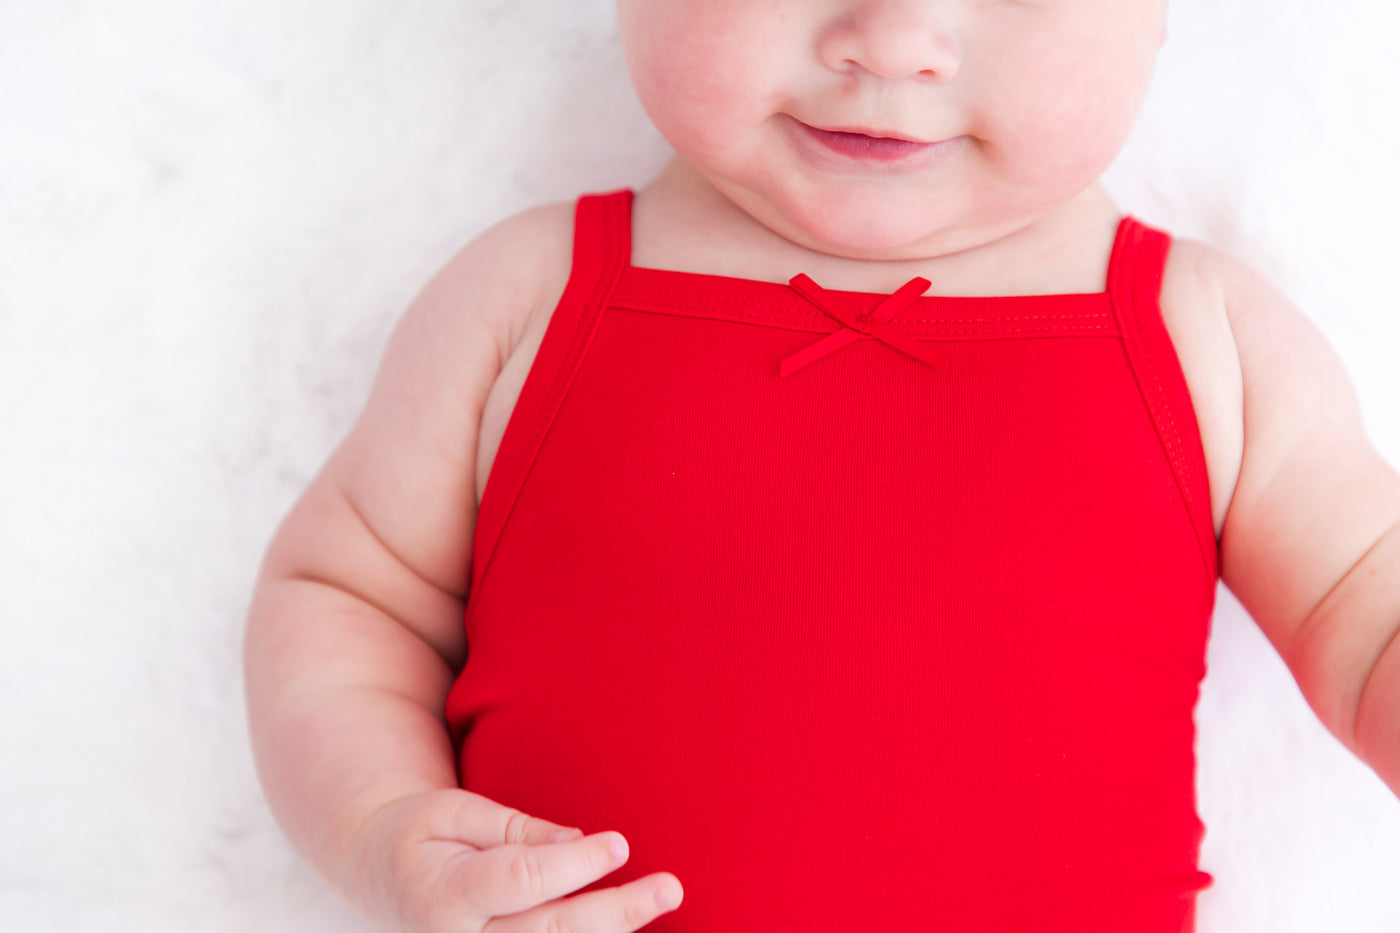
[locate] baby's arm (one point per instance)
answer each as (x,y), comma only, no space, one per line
(1311,541)
(355,632)
(356,624)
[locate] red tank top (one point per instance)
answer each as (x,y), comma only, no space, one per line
(853,611)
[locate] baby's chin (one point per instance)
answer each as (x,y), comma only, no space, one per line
(874,225)
(905,222)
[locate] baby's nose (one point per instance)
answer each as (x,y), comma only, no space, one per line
(897,39)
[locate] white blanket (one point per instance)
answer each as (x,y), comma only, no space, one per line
(211,215)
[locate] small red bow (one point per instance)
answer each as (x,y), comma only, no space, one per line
(862,325)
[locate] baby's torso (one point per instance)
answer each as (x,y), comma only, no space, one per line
(937,604)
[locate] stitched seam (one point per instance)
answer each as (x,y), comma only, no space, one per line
(1176,456)
(788,291)
(1125,301)
(1072,323)
(567,367)
(1019,317)
(1177,449)
(661,305)
(1183,465)
(545,412)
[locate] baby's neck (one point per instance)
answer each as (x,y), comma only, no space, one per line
(682,222)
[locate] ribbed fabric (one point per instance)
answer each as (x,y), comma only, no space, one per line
(854,611)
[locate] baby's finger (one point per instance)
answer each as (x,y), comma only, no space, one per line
(508,879)
(612,910)
(484,824)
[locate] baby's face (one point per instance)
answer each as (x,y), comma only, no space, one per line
(1028,100)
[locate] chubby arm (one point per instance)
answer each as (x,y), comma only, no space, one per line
(355,627)
(1311,540)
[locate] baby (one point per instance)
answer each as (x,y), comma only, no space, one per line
(858,490)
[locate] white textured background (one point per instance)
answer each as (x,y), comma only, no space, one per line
(210,216)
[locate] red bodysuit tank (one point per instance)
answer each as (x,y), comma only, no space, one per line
(855,612)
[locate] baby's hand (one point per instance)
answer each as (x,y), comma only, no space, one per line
(451,860)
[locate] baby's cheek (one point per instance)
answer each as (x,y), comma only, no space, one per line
(708,70)
(1064,140)
(680,86)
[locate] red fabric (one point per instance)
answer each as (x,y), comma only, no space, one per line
(904,634)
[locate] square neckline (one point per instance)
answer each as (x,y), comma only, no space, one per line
(765,291)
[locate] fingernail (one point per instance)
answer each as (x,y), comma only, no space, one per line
(564,835)
(666,897)
(618,845)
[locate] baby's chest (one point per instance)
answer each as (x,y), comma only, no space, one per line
(1200,334)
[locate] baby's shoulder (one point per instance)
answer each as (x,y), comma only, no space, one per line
(525,259)
(1234,324)
(1263,378)
(1197,285)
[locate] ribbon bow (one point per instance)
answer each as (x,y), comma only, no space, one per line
(857,326)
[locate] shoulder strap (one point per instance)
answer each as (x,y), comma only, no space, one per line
(602,249)
(1135,286)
